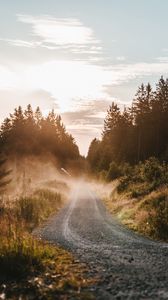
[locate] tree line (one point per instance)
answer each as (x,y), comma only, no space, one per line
(28,132)
(135,133)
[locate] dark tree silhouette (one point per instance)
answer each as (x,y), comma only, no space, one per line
(136,133)
(29,133)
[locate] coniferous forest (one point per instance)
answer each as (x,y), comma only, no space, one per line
(135,133)
(83,150)
(133,151)
(26,133)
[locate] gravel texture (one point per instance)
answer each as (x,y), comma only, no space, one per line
(127,265)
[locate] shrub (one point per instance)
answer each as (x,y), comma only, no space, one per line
(157,208)
(144,177)
(113,172)
(152,170)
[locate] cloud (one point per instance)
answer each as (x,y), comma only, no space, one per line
(86,122)
(65,80)
(61,35)
(90,113)
(72,85)
(12,98)
(125,72)
(163,59)
(120,58)
(70,81)
(66,34)
(21,43)
(59,31)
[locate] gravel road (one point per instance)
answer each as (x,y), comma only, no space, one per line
(128,266)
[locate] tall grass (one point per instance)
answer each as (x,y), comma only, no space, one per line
(142,198)
(30,268)
(36,208)
(20,254)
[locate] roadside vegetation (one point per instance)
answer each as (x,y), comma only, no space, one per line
(35,149)
(134,150)
(30,267)
(140,200)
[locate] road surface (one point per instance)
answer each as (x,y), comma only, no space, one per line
(129,266)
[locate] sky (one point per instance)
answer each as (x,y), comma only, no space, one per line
(78,56)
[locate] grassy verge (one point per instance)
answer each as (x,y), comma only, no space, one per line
(32,269)
(147,215)
(140,200)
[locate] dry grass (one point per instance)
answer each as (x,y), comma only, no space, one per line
(147,215)
(29,267)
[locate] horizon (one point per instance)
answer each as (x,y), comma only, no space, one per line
(59,56)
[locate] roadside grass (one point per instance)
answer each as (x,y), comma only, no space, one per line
(35,209)
(140,199)
(146,214)
(30,268)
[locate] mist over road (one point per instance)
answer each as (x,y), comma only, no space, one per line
(129,266)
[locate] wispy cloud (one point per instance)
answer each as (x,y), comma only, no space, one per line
(163,59)
(59,31)
(22,43)
(59,34)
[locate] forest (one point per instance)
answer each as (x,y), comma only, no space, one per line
(135,133)
(29,133)
(131,159)
(133,151)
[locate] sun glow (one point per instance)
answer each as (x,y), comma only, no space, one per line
(67,81)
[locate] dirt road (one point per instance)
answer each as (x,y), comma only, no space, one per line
(129,266)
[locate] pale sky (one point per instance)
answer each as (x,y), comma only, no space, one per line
(78,56)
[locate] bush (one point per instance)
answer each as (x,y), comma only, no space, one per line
(114,171)
(144,177)
(123,185)
(158,221)
(152,170)
(156,207)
